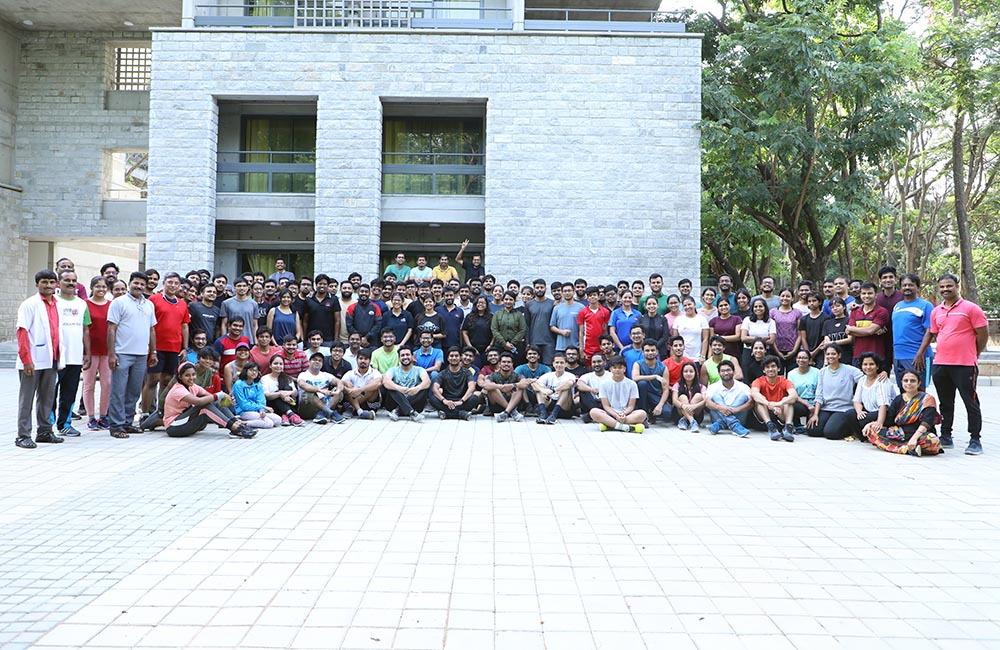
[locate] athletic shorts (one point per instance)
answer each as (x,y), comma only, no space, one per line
(166,363)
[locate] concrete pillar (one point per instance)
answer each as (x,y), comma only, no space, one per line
(187,13)
(517,11)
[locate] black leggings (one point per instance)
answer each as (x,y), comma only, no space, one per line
(834,425)
(281,407)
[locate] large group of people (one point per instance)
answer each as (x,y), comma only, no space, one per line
(839,358)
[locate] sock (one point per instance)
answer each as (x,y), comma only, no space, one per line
(554,413)
(621,427)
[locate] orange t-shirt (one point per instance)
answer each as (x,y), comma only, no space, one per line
(773,392)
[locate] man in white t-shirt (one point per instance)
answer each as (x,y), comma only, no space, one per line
(588,387)
(74,331)
(728,402)
(319,392)
(555,392)
(363,387)
(618,397)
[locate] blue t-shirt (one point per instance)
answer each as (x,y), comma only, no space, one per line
(528,373)
(848,301)
(428,359)
(657,369)
(631,355)
(910,321)
(805,385)
(623,323)
(564,317)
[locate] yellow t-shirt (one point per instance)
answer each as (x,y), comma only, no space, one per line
(444,274)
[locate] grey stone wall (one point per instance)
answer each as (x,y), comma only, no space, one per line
(592,155)
(63,130)
(14,258)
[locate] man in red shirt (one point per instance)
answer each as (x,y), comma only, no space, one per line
(775,399)
(869,325)
(172,318)
(961,332)
(676,360)
(37,361)
(295,359)
(593,321)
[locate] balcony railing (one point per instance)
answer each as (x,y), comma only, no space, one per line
(267,171)
(603,20)
(432,173)
(424,14)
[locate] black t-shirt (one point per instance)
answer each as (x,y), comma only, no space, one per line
(479,331)
(433,323)
(472,272)
(579,371)
(322,315)
(454,384)
(813,327)
(416,308)
(205,319)
(835,328)
(337,371)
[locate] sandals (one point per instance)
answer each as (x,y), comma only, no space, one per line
(117,433)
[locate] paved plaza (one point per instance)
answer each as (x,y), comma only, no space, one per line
(474,535)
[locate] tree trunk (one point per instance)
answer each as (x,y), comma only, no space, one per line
(969,289)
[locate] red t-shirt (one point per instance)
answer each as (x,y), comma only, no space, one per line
(226,347)
(773,392)
(594,324)
(98,328)
(295,364)
(875,343)
(675,368)
(170,316)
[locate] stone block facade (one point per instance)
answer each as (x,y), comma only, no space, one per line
(13,256)
(63,130)
(592,153)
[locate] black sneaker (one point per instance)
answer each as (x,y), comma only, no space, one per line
(48,437)
(464,415)
(773,431)
(25,443)
(947,442)
(975,448)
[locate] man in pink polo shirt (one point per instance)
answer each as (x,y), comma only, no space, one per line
(960,329)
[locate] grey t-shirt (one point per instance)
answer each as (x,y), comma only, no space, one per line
(247,310)
(539,315)
(618,393)
(835,390)
(564,317)
(133,318)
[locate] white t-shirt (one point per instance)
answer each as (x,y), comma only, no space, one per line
(731,397)
(553,382)
(73,315)
(618,393)
(691,329)
(319,380)
(759,328)
(358,380)
(595,382)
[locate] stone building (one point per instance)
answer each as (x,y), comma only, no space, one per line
(559,138)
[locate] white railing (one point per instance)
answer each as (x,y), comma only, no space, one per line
(423,14)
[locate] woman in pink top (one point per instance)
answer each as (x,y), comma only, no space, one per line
(98,305)
(189,408)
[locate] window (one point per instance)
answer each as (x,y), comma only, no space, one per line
(125,175)
(283,152)
(432,155)
(131,67)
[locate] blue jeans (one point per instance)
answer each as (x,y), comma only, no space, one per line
(729,421)
(126,385)
(899,365)
(649,395)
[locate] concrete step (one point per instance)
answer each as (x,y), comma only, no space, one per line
(8,354)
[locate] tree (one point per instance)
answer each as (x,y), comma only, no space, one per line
(963,51)
(799,105)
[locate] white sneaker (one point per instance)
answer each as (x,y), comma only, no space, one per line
(394,415)
(416,417)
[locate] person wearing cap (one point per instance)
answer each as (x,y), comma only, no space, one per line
(226,344)
(241,357)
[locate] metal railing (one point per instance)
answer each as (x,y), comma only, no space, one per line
(603,20)
(432,173)
(266,171)
(424,14)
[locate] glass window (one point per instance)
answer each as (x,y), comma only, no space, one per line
(413,147)
(279,141)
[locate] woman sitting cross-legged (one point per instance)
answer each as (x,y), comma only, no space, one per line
(189,408)
(250,402)
(912,429)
